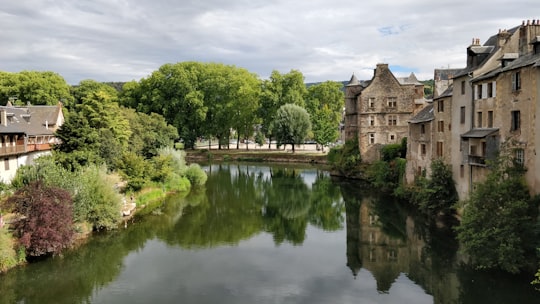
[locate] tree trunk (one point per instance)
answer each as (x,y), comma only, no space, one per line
(293,148)
(238,141)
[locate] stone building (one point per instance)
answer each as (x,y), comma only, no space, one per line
(378,111)
(490,107)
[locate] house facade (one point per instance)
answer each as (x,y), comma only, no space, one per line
(490,108)
(377,111)
(26,133)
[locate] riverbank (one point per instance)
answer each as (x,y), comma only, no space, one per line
(302,154)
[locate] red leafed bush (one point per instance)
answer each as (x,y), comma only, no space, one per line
(46,224)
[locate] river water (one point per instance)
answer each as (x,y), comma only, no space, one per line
(268,234)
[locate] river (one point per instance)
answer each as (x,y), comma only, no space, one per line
(268,234)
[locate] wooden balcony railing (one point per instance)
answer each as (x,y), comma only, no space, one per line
(477,160)
(19,149)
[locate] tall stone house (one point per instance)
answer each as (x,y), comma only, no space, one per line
(492,107)
(26,133)
(430,133)
(377,111)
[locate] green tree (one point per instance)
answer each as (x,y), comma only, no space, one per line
(278,90)
(173,91)
(324,103)
(86,88)
(36,88)
(437,194)
(291,125)
(497,227)
(47,223)
(149,133)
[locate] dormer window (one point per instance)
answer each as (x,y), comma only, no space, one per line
(507,58)
(536,45)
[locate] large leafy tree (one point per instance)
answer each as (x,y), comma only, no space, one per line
(36,88)
(173,91)
(149,133)
(96,129)
(497,228)
(278,90)
(324,103)
(291,125)
(47,223)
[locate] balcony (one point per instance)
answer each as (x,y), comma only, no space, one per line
(477,160)
(12,150)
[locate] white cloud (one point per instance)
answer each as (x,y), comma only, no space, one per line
(121,40)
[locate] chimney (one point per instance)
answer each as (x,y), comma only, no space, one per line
(3,117)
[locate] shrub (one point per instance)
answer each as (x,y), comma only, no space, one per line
(96,200)
(346,158)
(498,224)
(46,226)
(10,256)
(436,194)
(389,152)
(196,175)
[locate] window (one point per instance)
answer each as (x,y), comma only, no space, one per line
(462,115)
(479,119)
(519,157)
(392,137)
(463,87)
(478,91)
(516,81)
(6,164)
(461,171)
(440,126)
(423,149)
(371,137)
(392,102)
(440,146)
(371,102)
(516,124)
(371,120)
(422,129)
(473,150)
(490,90)
(392,120)
(440,106)
(490,119)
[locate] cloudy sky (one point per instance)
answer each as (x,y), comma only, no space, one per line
(123,40)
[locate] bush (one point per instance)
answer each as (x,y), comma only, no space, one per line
(196,175)
(10,256)
(498,224)
(389,152)
(346,158)
(96,201)
(438,193)
(46,226)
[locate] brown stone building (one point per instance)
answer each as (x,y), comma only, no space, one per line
(378,111)
(491,108)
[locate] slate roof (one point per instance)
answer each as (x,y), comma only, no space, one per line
(479,132)
(426,114)
(30,120)
(449,92)
(411,79)
(355,82)
(489,49)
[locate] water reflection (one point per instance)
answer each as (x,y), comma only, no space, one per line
(268,234)
(390,242)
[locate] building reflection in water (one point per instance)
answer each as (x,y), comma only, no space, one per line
(385,240)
